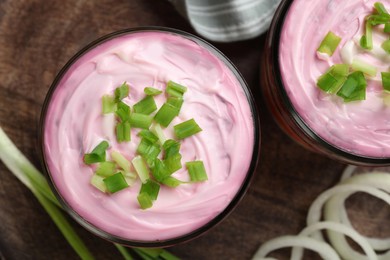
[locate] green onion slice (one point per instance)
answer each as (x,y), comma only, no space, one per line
(115,182)
(387,28)
(197,171)
(186,129)
(171,147)
(166,114)
(97,182)
(130,177)
(98,154)
(148,135)
(151,188)
(121,160)
(380,8)
(159,170)
(152,91)
(122,91)
(175,90)
(144,201)
(141,168)
(171,182)
(106,169)
(329,43)
(176,102)
(140,120)
(386,80)
(358,65)
(123,111)
(159,132)
(378,19)
(108,104)
(173,163)
(145,106)
(368,41)
(333,78)
(354,87)
(148,150)
(123,132)
(386,46)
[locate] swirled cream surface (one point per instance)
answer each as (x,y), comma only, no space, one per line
(359,127)
(74,125)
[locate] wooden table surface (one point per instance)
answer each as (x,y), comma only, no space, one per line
(36,39)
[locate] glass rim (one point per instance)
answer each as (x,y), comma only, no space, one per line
(238,195)
(274,40)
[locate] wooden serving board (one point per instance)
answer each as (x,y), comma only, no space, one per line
(37,37)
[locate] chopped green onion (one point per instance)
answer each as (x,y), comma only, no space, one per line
(166,114)
(363,42)
(171,147)
(130,177)
(176,102)
(333,78)
(386,80)
(358,65)
(380,8)
(122,91)
(140,120)
(141,168)
(386,46)
(152,91)
(329,43)
(387,28)
(354,87)
(97,182)
(378,19)
(144,200)
(123,111)
(121,160)
(186,129)
(106,169)
(158,131)
(159,170)
(197,171)
(115,182)
(368,40)
(108,104)
(123,132)
(151,188)
(173,163)
(171,182)
(145,106)
(98,154)
(148,135)
(175,90)
(148,150)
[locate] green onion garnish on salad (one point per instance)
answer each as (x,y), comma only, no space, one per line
(329,43)
(380,8)
(158,131)
(141,168)
(148,135)
(150,187)
(115,182)
(386,80)
(121,160)
(197,171)
(175,90)
(171,147)
(144,200)
(171,182)
(173,163)
(166,114)
(106,169)
(98,154)
(186,129)
(149,91)
(333,78)
(354,87)
(159,170)
(386,46)
(121,92)
(359,65)
(145,106)
(367,43)
(123,132)
(123,111)
(97,182)
(140,120)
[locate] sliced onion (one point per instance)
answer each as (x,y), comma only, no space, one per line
(297,253)
(320,247)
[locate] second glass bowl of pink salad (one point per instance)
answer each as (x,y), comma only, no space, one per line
(217,97)
(356,132)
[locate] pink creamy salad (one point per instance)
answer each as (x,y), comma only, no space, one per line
(361,127)
(74,125)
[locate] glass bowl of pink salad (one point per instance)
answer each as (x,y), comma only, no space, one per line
(313,101)
(132,93)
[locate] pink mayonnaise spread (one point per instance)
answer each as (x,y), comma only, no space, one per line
(74,125)
(359,127)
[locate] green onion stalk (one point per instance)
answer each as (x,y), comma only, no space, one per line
(25,171)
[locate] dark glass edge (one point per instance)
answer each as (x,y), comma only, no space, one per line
(342,154)
(203,229)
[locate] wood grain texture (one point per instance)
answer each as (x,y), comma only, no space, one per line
(36,39)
